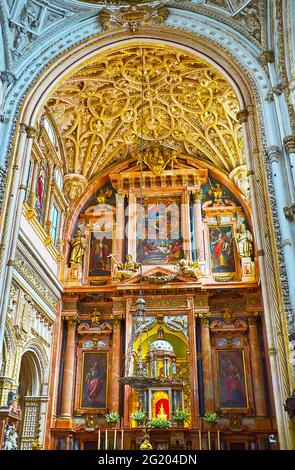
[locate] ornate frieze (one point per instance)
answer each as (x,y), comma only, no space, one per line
(31,278)
(135,16)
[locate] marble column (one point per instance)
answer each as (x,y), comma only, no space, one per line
(131,229)
(207,364)
(116,363)
(69,369)
(198,223)
(193,367)
(256,365)
(120,227)
(185,222)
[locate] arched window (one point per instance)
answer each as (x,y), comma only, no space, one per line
(58,178)
(50,132)
(41,191)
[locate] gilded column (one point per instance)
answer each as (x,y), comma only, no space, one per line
(207,364)
(198,223)
(256,364)
(69,368)
(115,369)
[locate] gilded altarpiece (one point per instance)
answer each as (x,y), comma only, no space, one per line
(231,366)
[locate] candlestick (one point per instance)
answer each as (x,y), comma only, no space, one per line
(98,443)
(209,441)
(115,439)
(106,440)
(218,440)
(122,439)
(200,440)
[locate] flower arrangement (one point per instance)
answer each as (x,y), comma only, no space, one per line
(139,416)
(112,417)
(160,423)
(180,415)
(211,417)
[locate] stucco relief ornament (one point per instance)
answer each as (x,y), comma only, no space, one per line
(188,267)
(158,158)
(132,14)
(239,177)
(74,185)
(126,270)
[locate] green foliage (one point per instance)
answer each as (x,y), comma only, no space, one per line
(160,423)
(112,417)
(139,416)
(211,417)
(180,415)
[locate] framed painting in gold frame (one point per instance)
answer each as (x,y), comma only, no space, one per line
(100,248)
(94,381)
(232,381)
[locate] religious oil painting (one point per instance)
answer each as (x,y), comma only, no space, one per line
(99,253)
(94,380)
(158,237)
(232,380)
(221,249)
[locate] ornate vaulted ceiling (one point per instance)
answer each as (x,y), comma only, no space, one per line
(162,94)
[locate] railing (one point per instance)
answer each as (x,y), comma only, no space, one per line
(118,439)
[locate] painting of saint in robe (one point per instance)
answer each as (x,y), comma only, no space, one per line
(221,249)
(232,383)
(100,249)
(94,380)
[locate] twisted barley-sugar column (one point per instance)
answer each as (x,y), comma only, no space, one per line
(69,369)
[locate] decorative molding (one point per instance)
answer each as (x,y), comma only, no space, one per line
(289,143)
(30,277)
(133,17)
(273,154)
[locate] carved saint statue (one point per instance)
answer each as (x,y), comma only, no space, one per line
(189,267)
(78,245)
(126,270)
(244,241)
(10,438)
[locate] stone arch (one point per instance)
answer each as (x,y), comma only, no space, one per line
(37,350)
(254,87)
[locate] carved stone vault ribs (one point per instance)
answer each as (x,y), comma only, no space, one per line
(186,105)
